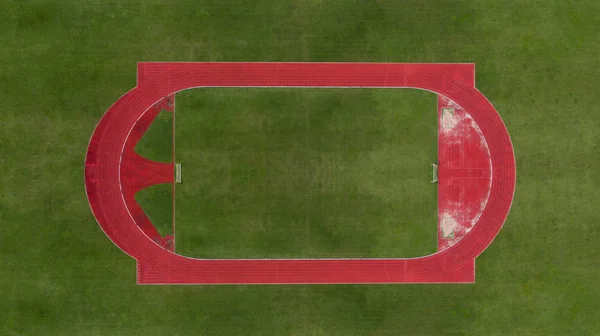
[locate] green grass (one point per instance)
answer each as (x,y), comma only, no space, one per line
(157,143)
(156,201)
(62,63)
(306,173)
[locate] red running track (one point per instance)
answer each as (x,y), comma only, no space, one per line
(464,173)
(107,183)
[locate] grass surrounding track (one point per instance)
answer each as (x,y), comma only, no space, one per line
(62,63)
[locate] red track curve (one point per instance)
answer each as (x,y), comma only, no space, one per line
(156,264)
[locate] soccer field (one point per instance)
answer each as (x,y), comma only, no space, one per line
(305,173)
(63,63)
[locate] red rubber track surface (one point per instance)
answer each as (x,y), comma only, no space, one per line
(464,174)
(105,181)
(138,172)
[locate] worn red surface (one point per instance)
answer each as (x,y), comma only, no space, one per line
(464,173)
(112,173)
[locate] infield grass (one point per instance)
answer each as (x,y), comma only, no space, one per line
(306,173)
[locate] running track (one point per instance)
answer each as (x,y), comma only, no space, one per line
(113,173)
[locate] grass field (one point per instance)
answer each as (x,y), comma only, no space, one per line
(62,63)
(306,173)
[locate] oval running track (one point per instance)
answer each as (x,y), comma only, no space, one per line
(158,265)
